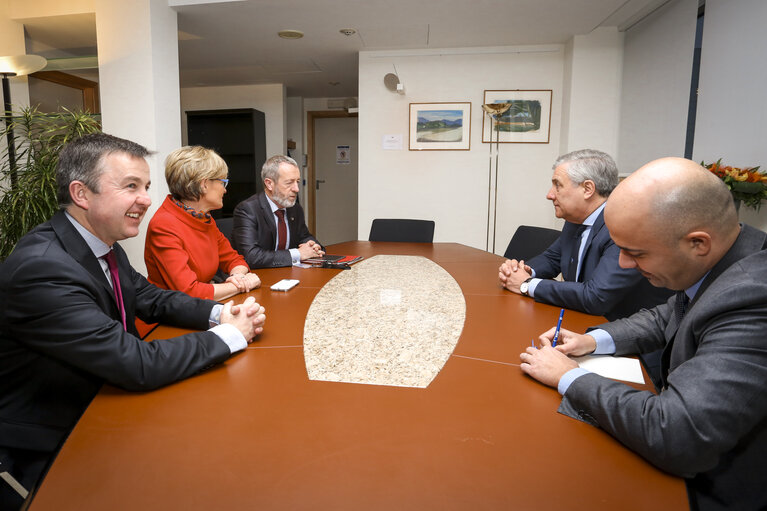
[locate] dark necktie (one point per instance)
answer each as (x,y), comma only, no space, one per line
(681,302)
(680,305)
(282,231)
(112,264)
(572,268)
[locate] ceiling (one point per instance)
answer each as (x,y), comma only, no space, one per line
(236,42)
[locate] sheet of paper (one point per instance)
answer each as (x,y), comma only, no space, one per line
(392,142)
(617,368)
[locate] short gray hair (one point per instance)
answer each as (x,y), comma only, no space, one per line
(271,168)
(591,165)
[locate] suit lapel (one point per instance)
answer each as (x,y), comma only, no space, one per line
(75,245)
(569,257)
(292,225)
(268,219)
(599,224)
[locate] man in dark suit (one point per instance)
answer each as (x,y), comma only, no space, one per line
(584,254)
(269,227)
(675,222)
(68,301)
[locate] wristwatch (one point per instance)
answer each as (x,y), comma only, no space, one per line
(523,287)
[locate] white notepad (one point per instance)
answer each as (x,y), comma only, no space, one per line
(617,368)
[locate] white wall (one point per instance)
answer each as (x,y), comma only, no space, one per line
(593,82)
(657,70)
(138,80)
(269,99)
(732,113)
(451,187)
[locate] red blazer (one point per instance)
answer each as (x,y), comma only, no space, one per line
(184,253)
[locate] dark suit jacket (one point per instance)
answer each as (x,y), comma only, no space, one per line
(604,288)
(61,336)
(709,423)
(255,232)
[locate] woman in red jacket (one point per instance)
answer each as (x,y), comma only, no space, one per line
(184,249)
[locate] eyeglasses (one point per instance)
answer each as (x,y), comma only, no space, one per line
(225,181)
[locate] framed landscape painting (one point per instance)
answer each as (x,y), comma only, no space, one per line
(440,126)
(527,121)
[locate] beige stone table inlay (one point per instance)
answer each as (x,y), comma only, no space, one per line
(390,320)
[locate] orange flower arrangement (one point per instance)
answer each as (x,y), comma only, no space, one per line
(746,185)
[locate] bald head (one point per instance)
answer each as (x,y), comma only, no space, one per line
(675,196)
(673,221)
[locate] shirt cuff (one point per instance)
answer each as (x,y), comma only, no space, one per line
(231,336)
(605,342)
(295,255)
(531,287)
(215,315)
(568,378)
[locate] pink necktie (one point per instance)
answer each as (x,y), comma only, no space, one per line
(282,231)
(112,264)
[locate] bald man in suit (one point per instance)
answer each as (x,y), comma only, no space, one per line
(676,223)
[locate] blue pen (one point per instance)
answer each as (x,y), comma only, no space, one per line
(559,325)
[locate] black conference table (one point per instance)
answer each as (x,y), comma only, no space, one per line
(256,433)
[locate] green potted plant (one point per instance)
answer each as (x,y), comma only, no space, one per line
(31,199)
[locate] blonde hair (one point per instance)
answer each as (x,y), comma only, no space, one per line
(187,167)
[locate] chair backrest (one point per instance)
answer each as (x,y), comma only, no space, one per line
(400,229)
(529,241)
(226,226)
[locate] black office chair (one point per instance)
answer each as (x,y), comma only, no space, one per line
(529,241)
(226,226)
(399,229)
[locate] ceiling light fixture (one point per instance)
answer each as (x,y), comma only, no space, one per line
(348,31)
(290,34)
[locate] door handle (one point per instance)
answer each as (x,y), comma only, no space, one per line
(317,183)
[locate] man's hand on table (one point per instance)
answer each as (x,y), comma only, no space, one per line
(248,317)
(512,273)
(548,364)
(310,249)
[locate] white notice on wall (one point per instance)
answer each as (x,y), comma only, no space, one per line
(343,155)
(392,142)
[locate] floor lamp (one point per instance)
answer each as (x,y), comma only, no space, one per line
(15,66)
(494,111)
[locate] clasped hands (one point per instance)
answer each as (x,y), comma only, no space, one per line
(244,281)
(248,317)
(548,364)
(512,273)
(310,249)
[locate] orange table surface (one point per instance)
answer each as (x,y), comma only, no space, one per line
(255,433)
